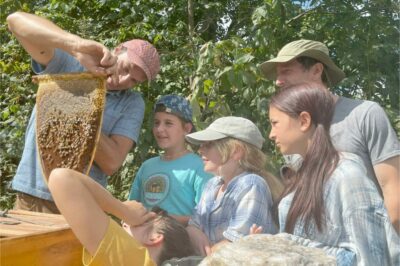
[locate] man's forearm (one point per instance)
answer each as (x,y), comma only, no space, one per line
(391,194)
(111,152)
(40,37)
(41,31)
(387,174)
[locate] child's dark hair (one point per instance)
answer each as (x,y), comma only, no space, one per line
(308,62)
(176,239)
(320,159)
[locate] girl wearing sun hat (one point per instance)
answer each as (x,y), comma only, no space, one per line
(238,196)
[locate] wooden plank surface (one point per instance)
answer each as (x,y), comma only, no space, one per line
(21,223)
(37,239)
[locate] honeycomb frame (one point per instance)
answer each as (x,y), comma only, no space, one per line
(69,118)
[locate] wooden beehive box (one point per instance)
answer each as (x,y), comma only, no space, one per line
(32,238)
(68,120)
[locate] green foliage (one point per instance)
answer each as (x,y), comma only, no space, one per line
(17,97)
(215,65)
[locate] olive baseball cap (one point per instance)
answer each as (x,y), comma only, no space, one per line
(308,48)
(229,126)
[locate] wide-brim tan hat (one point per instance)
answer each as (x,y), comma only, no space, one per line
(313,49)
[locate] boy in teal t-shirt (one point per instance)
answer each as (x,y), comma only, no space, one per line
(174,180)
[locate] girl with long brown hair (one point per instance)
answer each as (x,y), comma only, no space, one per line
(328,201)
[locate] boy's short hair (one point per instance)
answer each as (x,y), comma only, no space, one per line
(176,239)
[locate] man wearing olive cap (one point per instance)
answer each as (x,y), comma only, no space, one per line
(54,50)
(359,127)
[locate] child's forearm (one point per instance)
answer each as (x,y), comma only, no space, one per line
(101,196)
(131,212)
(182,219)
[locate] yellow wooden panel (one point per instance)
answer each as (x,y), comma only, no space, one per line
(48,242)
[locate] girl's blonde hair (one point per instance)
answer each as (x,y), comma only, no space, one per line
(253,160)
